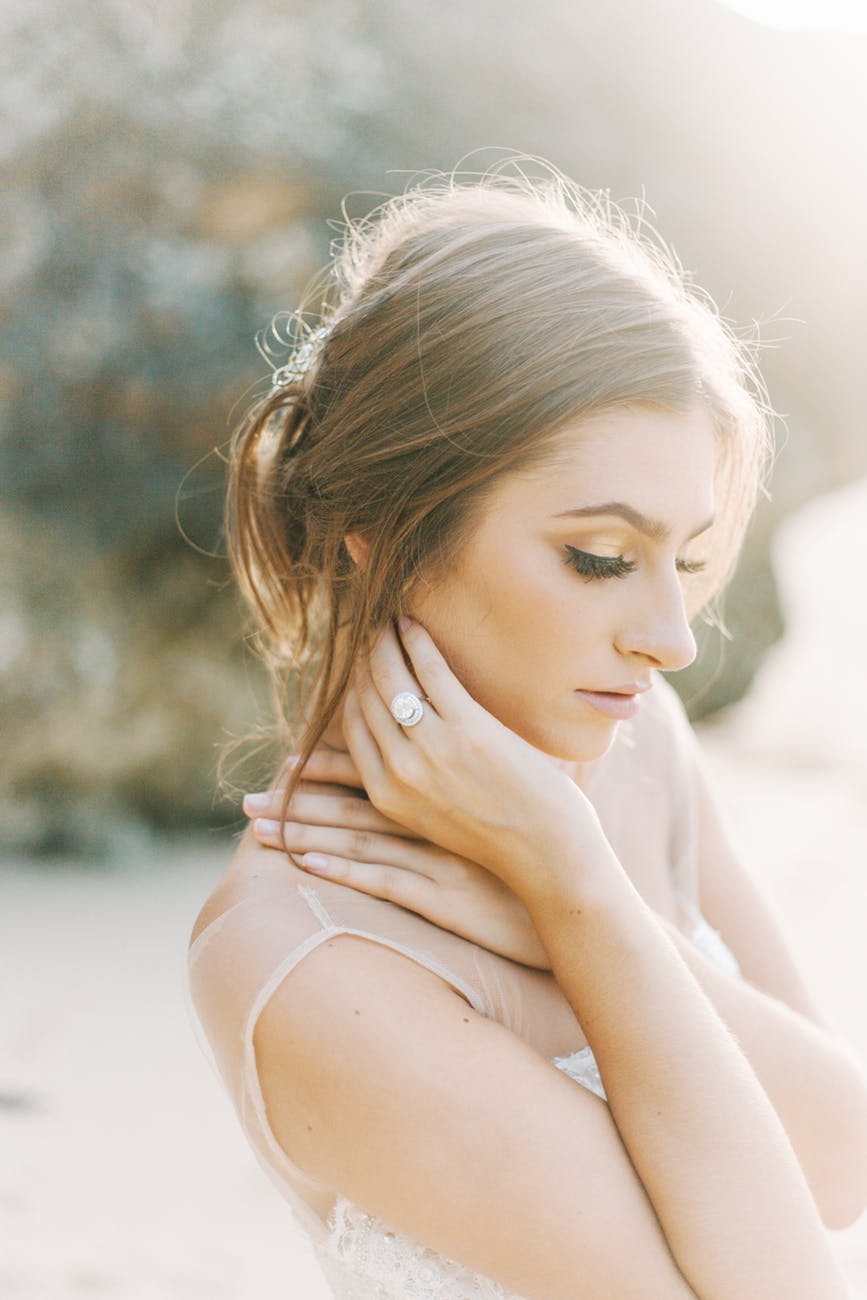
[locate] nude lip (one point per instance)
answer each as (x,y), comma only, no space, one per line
(612,704)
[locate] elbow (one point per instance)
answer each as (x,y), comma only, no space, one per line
(845,1182)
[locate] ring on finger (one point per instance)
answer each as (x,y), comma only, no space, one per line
(406,708)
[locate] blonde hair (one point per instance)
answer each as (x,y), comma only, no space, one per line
(465,321)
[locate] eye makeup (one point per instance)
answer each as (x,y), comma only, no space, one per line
(598,566)
(592,566)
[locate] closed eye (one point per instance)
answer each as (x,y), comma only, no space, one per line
(592,566)
(598,566)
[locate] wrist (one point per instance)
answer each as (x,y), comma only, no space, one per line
(572,875)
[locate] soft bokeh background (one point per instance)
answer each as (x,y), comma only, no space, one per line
(170,170)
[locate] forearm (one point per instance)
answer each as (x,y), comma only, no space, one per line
(703,1136)
(811,1080)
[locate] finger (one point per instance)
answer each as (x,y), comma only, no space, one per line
(269,803)
(284,772)
(361,741)
(437,680)
(388,670)
(387,733)
(357,844)
(324,764)
(317,809)
(334,766)
(395,885)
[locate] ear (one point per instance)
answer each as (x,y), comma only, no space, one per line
(357,548)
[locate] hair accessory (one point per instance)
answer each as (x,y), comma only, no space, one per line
(300,362)
(406,708)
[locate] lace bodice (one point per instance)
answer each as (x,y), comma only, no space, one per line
(363,1259)
(644,795)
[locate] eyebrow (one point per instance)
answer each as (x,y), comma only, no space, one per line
(652,528)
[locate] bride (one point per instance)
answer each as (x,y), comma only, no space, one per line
(498,1007)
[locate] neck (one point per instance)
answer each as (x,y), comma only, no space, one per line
(581,773)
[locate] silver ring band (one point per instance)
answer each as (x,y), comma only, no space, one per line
(406,708)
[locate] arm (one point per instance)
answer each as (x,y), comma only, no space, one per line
(449,1128)
(813,1080)
(705,1141)
(814,1084)
(703,1137)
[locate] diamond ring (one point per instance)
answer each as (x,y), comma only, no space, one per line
(406,708)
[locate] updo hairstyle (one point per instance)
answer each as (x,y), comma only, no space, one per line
(465,322)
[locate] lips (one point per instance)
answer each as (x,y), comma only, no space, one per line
(632,688)
(620,703)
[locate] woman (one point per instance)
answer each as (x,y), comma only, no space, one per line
(500,1010)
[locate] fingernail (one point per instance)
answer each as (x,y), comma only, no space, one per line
(314,862)
(256,801)
(404,623)
(265,827)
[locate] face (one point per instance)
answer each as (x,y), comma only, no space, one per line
(552,596)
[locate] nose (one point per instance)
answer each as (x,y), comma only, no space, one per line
(661,634)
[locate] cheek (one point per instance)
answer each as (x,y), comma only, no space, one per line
(514,618)
(475,618)
(520,593)
(539,598)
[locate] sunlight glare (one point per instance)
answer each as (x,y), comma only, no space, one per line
(812,15)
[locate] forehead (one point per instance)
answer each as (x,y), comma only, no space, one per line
(660,462)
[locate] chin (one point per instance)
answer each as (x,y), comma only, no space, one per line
(571,744)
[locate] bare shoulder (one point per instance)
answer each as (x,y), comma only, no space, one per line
(382,1082)
(252,871)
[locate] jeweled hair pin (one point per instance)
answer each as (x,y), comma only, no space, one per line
(300,361)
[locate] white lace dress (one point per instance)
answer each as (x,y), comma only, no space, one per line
(252,944)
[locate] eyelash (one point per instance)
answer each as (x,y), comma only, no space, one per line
(615,566)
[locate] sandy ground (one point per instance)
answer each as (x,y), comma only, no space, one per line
(124,1173)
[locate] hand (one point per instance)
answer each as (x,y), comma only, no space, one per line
(463,780)
(338,834)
